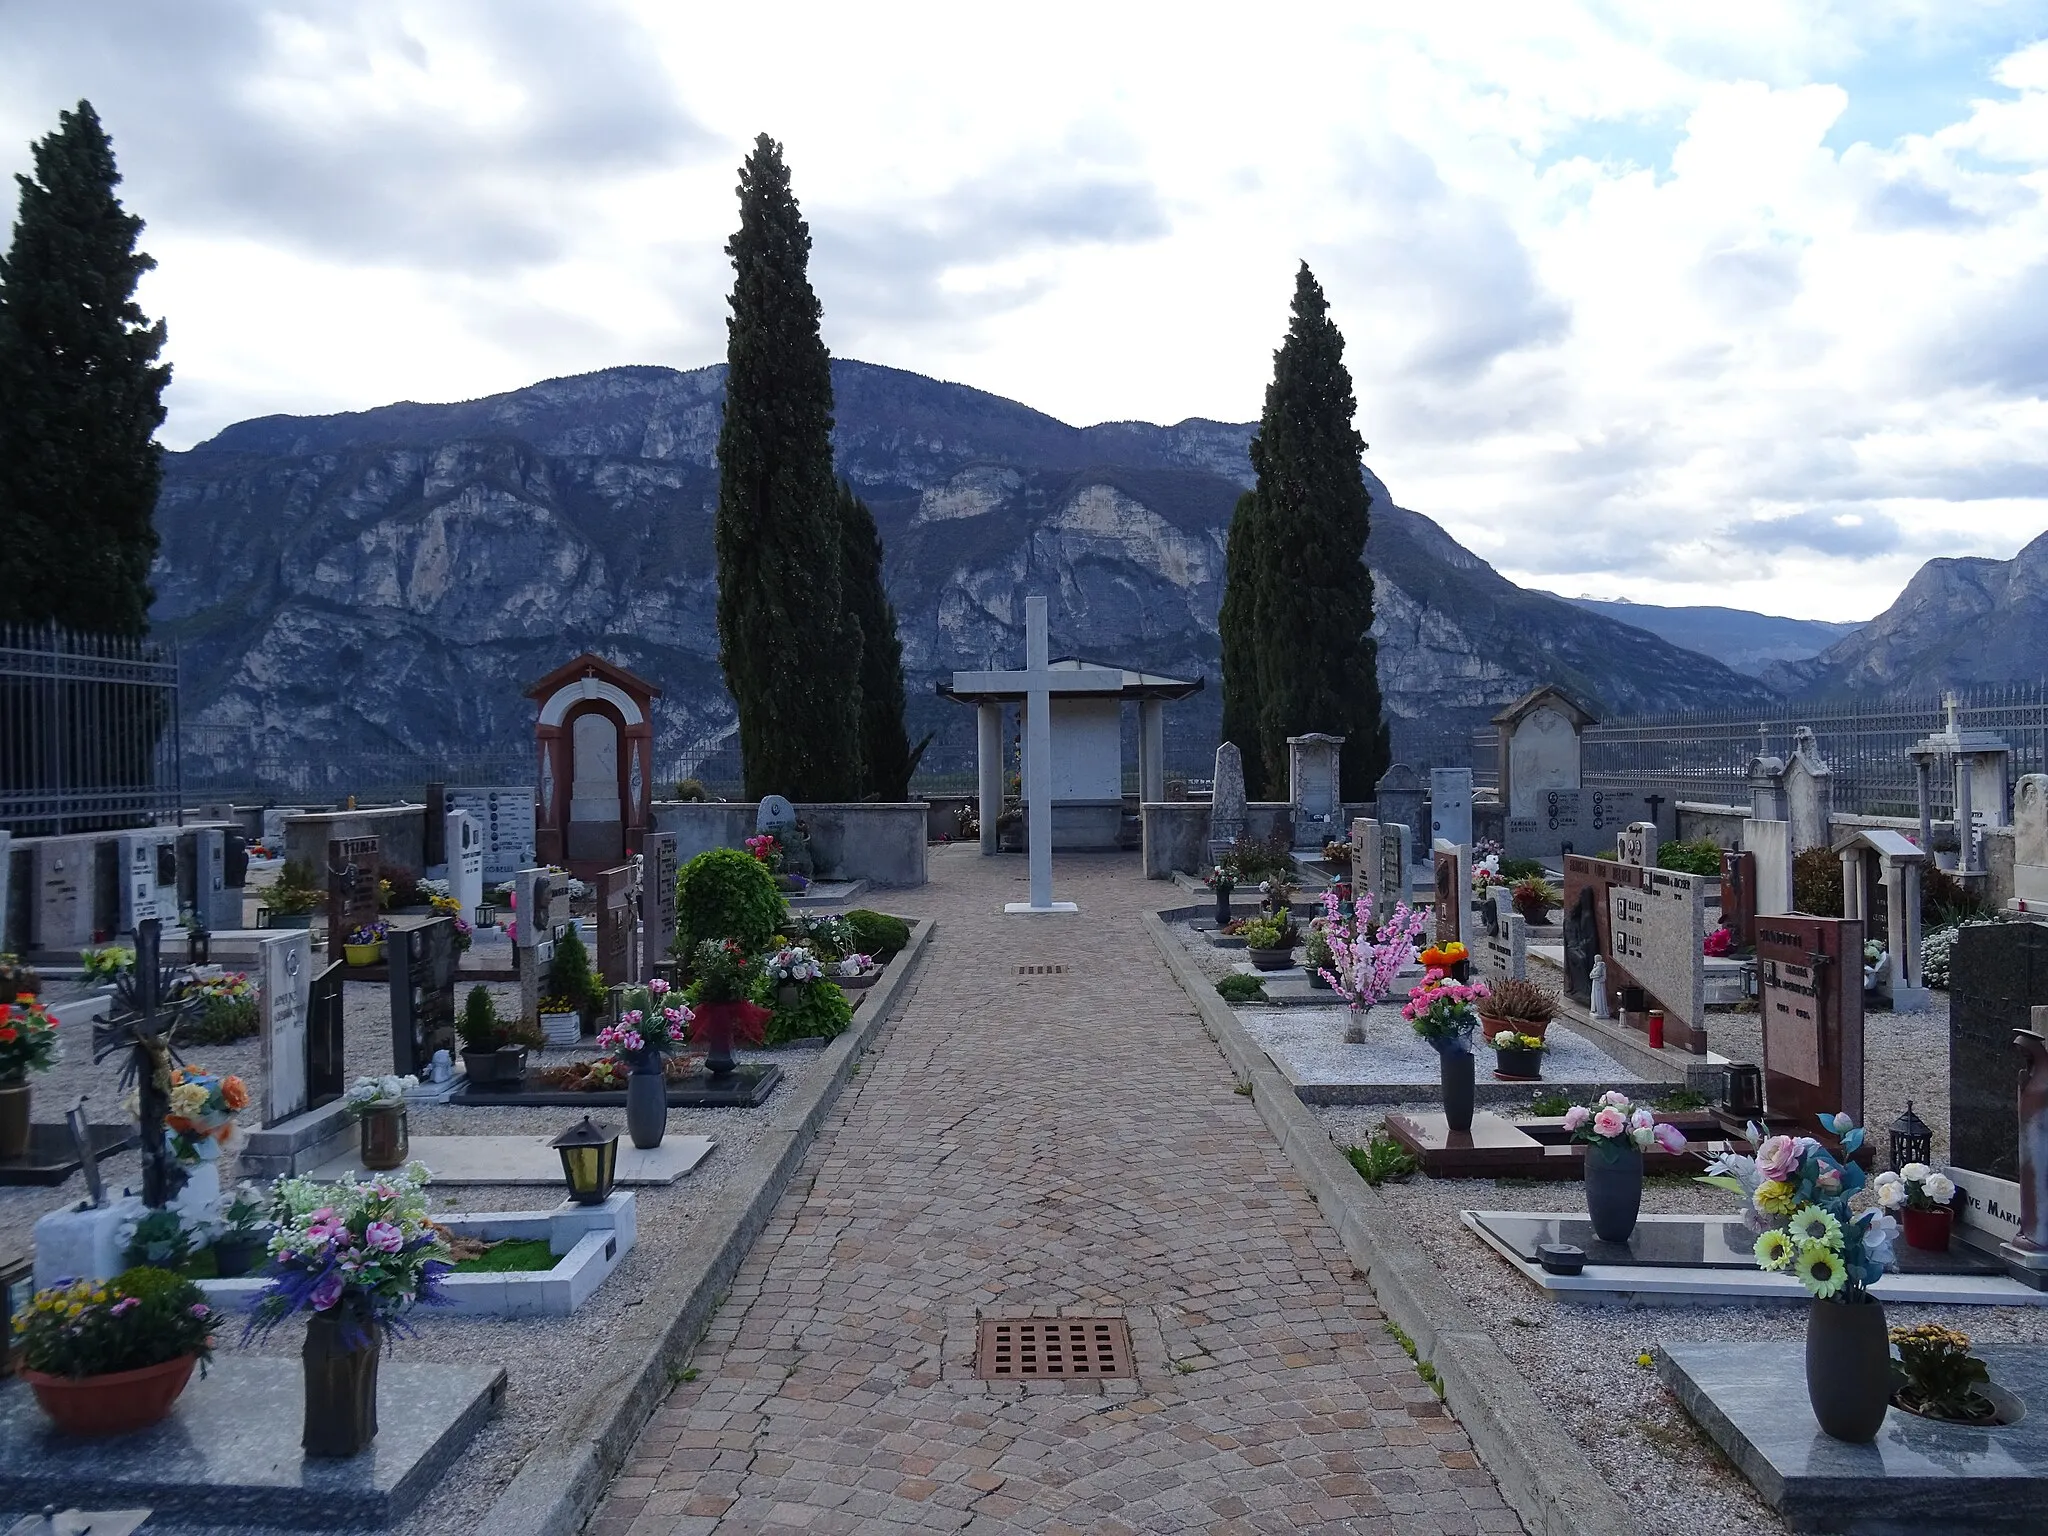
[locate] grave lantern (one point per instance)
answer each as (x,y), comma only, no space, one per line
(589,1160)
(1912,1139)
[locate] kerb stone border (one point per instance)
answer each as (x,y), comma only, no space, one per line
(560,1483)
(1544,1476)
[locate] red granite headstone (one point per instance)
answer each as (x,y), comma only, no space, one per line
(1810,976)
(1738,896)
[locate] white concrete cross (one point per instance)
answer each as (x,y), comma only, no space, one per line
(1038,682)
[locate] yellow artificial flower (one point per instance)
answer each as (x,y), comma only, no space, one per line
(1774,1250)
(1820,1271)
(1774,1197)
(1811,1224)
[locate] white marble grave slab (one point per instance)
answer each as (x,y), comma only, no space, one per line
(529,1160)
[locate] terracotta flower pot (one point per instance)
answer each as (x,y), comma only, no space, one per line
(115,1404)
(14,1121)
(1927,1230)
(1489,1026)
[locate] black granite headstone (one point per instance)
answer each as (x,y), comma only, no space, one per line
(422,964)
(1998,974)
(326,1077)
(1581,947)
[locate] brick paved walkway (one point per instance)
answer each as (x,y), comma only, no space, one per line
(1028,1143)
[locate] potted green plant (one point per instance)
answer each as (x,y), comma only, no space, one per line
(28,1043)
(355,1259)
(1269,940)
(1936,1377)
(722,983)
(1317,958)
(492,1054)
(1517,1058)
(106,1357)
(1519,1007)
(364,944)
(378,1103)
(293,897)
(1923,1201)
(572,977)
(243,1233)
(1533,897)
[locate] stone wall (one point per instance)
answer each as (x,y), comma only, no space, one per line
(1176,832)
(1717,824)
(883,844)
(400,830)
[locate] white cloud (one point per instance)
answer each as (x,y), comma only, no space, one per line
(1621,305)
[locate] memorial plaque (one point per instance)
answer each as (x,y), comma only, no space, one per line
(326,1063)
(1810,978)
(1604,811)
(62,906)
(1504,952)
(1998,975)
(505,815)
(353,869)
(1738,896)
(285,972)
(657,900)
(1449,903)
(1636,844)
(615,925)
(1547,833)
(422,962)
(1657,930)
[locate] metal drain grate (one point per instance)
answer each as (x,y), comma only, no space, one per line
(1041,970)
(1042,1347)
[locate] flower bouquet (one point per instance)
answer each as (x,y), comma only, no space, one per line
(766,847)
(854,965)
(794,965)
(105,1357)
(203,1110)
(1922,1200)
(370,1093)
(1796,1197)
(723,982)
(28,1043)
(1718,943)
(1517,1057)
(1444,957)
(653,1022)
(1617,1132)
(445,905)
(1222,879)
(355,1259)
(1363,961)
(1941,1378)
(1445,1012)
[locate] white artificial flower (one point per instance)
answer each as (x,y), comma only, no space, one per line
(1915,1173)
(1939,1188)
(1890,1190)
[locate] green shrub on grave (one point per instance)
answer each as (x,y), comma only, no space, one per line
(820,1012)
(1237,987)
(725,893)
(1700,856)
(571,975)
(877,933)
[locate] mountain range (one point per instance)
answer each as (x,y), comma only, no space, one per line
(1748,642)
(387,581)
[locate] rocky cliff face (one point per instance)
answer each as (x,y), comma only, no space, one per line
(391,579)
(1958,622)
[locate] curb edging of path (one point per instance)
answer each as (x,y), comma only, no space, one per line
(1543,1474)
(562,1480)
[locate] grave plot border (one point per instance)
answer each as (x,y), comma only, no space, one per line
(1546,1479)
(561,1483)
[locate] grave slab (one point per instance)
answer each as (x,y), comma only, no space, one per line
(229,1452)
(828,893)
(52,1157)
(748,1087)
(528,1160)
(1919,1475)
(1498,1148)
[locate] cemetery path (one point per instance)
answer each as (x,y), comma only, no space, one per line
(1021,1144)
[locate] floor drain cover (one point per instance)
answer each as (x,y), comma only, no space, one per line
(1041,970)
(1013,1348)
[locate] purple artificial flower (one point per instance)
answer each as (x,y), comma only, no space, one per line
(1669,1137)
(384,1236)
(327,1292)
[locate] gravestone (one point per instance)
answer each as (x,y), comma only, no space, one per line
(533,929)
(1657,930)
(463,841)
(1450,806)
(1810,995)
(657,901)
(1503,954)
(1539,736)
(353,869)
(1770,843)
(1738,896)
(216,904)
(1226,801)
(1873,855)
(1382,867)
(1400,796)
(615,925)
(326,1056)
(1312,775)
(505,814)
(1581,945)
(2025,1251)
(434,836)
(1637,845)
(273,827)
(2030,844)
(777,818)
(1998,975)
(285,972)
(149,877)
(774,816)
(1449,909)
(7,892)
(422,964)
(62,909)
(1809,794)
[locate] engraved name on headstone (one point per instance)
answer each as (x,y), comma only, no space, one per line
(1504,954)
(657,901)
(285,972)
(505,815)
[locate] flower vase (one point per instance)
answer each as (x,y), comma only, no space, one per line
(1927,1230)
(1614,1189)
(647,1101)
(340,1356)
(1222,905)
(1848,1368)
(14,1121)
(1354,1025)
(1455,1070)
(383,1140)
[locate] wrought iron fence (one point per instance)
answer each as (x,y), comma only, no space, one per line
(224,762)
(88,731)
(1705,755)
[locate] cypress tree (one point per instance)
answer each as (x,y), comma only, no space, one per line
(1318,665)
(790,650)
(885,749)
(81,395)
(1239,626)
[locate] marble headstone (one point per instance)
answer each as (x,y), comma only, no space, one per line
(657,900)
(1400,796)
(2030,843)
(1809,794)
(1637,845)
(1657,931)
(1551,825)
(285,967)
(353,869)
(1771,844)
(149,877)
(1450,805)
(774,815)
(505,815)
(464,845)
(1226,800)
(1998,975)
(777,818)
(1810,1001)
(62,909)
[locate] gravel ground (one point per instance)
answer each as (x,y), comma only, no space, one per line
(1580,1358)
(544,1359)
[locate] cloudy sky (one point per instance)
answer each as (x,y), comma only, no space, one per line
(1736,302)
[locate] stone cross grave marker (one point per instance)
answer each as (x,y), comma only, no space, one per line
(1998,975)
(657,901)
(505,814)
(1038,680)
(285,972)
(1657,931)
(63,904)
(1810,981)
(1503,952)
(422,969)
(464,845)
(1226,801)
(1449,907)
(353,869)
(615,925)
(1450,806)
(1637,844)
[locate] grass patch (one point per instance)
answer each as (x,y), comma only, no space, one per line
(1240,988)
(515,1253)
(1381,1159)
(1550,1104)
(1422,1367)
(1242,1089)
(1680,1099)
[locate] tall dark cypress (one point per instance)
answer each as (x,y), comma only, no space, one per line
(1318,667)
(790,650)
(81,395)
(885,749)
(1239,626)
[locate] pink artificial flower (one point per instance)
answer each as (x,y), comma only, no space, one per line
(125,1305)
(1829,1182)
(1576,1116)
(384,1236)
(1719,942)
(1642,1120)
(1778,1158)
(1669,1137)
(1610,1122)
(1618,1100)
(630,1016)
(657,986)
(328,1292)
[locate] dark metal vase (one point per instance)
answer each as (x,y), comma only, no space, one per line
(1614,1190)
(718,1024)
(1848,1368)
(1455,1070)
(383,1140)
(340,1354)
(1222,905)
(647,1104)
